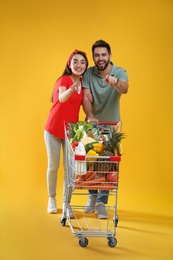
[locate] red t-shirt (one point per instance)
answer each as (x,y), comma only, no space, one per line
(63,112)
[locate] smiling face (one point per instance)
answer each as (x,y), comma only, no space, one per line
(78,64)
(101,58)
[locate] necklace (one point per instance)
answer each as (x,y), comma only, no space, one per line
(79,87)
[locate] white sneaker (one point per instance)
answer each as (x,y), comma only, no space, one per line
(52,208)
(90,206)
(101,210)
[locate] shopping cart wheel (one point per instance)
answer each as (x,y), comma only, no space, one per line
(83,242)
(63,221)
(112,241)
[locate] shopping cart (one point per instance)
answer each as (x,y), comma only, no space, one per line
(104,174)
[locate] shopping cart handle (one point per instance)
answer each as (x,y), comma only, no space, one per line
(107,123)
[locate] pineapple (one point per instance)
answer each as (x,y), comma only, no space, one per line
(103,164)
(114,140)
(110,149)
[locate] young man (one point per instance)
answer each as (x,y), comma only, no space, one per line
(104,82)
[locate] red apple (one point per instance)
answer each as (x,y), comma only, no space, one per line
(111,176)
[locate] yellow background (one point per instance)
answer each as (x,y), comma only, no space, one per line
(36,39)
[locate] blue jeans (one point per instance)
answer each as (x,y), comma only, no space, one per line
(102,195)
(53,147)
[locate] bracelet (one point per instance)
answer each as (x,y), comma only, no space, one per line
(117,82)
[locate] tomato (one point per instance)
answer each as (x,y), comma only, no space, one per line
(111,176)
(74,144)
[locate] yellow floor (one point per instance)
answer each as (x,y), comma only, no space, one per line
(28,232)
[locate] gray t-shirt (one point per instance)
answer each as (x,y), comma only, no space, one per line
(106,105)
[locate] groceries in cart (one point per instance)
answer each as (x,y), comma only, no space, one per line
(97,152)
(89,133)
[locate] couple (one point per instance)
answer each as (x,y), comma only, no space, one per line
(98,89)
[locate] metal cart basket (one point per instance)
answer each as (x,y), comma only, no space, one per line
(104,175)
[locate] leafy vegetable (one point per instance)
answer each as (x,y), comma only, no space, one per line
(78,136)
(76,133)
(86,126)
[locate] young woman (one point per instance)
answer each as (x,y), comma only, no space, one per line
(67,99)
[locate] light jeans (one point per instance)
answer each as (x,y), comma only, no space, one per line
(102,195)
(53,147)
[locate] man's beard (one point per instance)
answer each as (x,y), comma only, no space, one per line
(104,66)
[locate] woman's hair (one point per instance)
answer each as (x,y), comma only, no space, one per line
(101,43)
(67,70)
